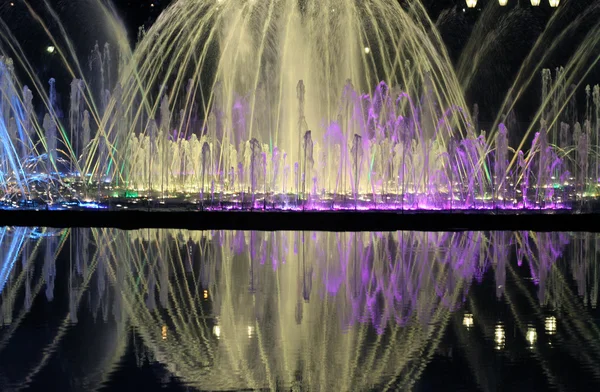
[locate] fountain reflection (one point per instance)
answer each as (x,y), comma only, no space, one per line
(302,310)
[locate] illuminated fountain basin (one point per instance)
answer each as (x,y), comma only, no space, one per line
(396,173)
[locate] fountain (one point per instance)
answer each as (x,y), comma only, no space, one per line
(293,105)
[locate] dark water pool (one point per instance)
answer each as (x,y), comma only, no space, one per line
(110,310)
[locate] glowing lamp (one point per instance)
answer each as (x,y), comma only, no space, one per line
(468,320)
(367,50)
(502,2)
(50,49)
(471,3)
(550,324)
(531,335)
(499,337)
(554,3)
(535,3)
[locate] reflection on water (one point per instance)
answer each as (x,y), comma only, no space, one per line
(298,310)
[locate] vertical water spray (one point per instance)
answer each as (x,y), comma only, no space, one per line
(452,156)
(501,163)
(543,164)
(51,142)
(165,128)
(86,132)
(357,158)
(308,162)
(76,109)
(28,123)
(152,148)
(255,167)
(596,100)
(583,147)
(300,91)
(524,175)
(206,162)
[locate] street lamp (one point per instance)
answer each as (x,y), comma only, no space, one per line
(554,3)
(535,3)
(503,2)
(471,3)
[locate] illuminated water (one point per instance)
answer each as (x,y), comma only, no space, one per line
(92,309)
(341,104)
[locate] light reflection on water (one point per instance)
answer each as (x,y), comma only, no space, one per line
(298,310)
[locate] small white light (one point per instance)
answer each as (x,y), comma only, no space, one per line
(531,336)
(50,49)
(367,50)
(550,325)
(471,3)
(499,337)
(554,3)
(503,2)
(468,320)
(250,331)
(535,3)
(217,331)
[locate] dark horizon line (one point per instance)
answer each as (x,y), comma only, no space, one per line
(333,221)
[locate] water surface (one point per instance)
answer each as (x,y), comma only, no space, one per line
(111,310)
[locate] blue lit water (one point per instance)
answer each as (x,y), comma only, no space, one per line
(110,310)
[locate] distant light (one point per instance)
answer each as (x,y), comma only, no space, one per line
(499,337)
(217,331)
(164,332)
(535,3)
(503,2)
(250,331)
(205,294)
(50,49)
(550,325)
(367,50)
(471,3)
(468,320)
(12,4)
(531,335)
(554,3)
